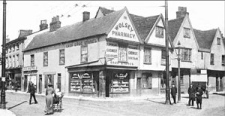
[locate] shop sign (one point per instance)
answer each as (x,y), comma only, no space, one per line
(121,75)
(29,68)
(82,42)
(123,29)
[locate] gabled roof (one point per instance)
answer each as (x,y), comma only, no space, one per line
(144,24)
(104,11)
(76,31)
(205,38)
(174,26)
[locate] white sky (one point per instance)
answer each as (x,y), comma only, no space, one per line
(204,15)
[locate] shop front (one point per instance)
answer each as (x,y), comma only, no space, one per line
(13,78)
(29,75)
(99,81)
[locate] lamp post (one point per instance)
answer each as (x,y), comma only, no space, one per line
(179,97)
(3,57)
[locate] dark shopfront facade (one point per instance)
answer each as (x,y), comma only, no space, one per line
(13,78)
(100,81)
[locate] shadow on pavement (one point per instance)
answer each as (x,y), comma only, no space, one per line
(159,102)
(16,105)
(223,94)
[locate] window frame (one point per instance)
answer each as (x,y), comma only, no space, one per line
(187,32)
(159,32)
(147,55)
(218,41)
(202,56)
(45,59)
(83,54)
(61,57)
(189,54)
(223,60)
(32,60)
(121,57)
(212,59)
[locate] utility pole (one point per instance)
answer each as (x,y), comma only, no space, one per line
(167,55)
(3,106)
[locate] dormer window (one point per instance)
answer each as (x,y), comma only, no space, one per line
(159,32)
(186,33)
(218,41)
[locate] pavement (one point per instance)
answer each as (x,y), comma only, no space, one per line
(5,112)
(18,103)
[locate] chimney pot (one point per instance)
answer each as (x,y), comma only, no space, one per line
(182,12)
(86,16)
(43,25)
(55,24)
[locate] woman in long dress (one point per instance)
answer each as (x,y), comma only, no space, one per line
(49,99)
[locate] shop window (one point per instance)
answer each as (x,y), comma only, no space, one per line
(147,55)
(84,53)
(146,81)
(159,32)
(82,82)
(32,60)
(122,54)
(186,33)
(211,59)
(223,60)
(59,81)
(163,57)
(45,59)
(218,41)
(186,55)
(62,57)
(120,82)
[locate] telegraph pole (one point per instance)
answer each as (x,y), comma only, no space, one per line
(167,55)
(3,106)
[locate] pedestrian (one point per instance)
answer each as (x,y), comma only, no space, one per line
(199,93)
(49,99)
(32,91)
(173,93)
(191,92)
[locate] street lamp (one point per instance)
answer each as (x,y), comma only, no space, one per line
(178,59)
(3,57)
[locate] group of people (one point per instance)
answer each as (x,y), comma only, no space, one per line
(50,95)
(194,94)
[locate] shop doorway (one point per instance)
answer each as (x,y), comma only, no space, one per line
(49,79)
(40,84)
(59,81)
(139,86)
(107,86)
(25,83)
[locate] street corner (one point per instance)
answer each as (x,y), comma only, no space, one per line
(5,112)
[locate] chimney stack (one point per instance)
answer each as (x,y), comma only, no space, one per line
(86,16)
(7,39)
(182,12)
(55,24)
(24,33)
(43,25)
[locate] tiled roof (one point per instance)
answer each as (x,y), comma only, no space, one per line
(105,10)
(76,31)
(174,26)
(24,33)
(205,38)
(144,24)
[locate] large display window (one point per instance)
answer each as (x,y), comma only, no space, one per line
(120,83)
(82,82)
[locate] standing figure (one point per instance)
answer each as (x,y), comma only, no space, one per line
(191,92)
(32,90)
(173,93)
(199,93)
(49,99)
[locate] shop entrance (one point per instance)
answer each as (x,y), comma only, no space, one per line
(25,83)
(40,84)
(107,86)
(49,79)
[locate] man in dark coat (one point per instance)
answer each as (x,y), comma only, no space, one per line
(191,92)
(32,90)
(173,93)
(199,93)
